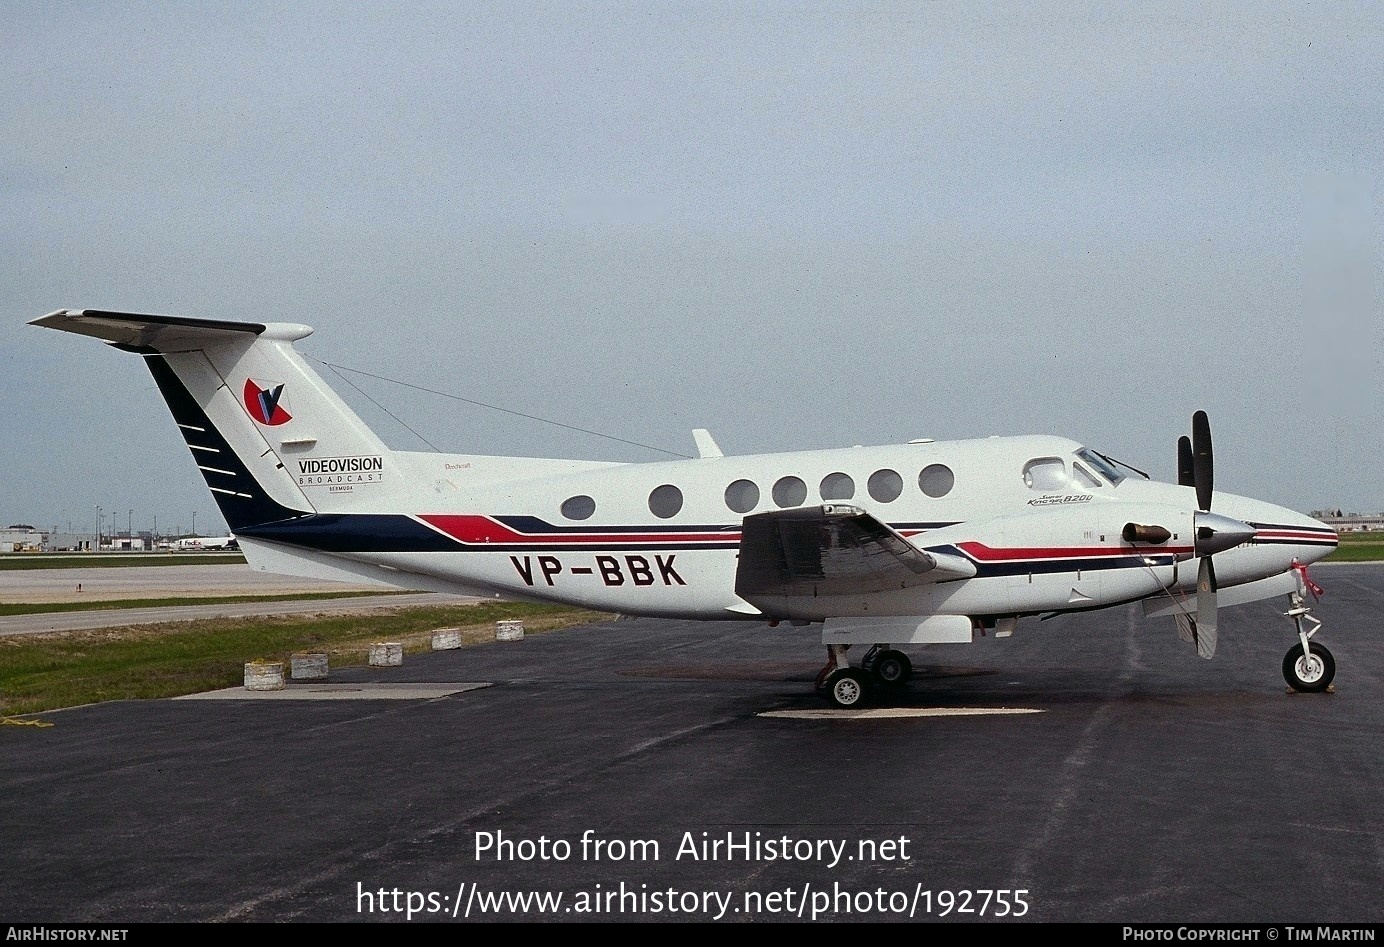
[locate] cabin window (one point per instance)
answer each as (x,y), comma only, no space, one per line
(885,485)
(1046,473)
(665,501)
(790,491)
(742,496)
(837,486)
(936,480)
(578,508)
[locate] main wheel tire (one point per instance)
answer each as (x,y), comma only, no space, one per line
(893,669)
(1309,674)
(846,688)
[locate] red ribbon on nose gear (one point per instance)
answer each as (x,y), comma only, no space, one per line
(1301,569)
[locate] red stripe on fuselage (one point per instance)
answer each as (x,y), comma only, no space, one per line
(482,529)
(989,554)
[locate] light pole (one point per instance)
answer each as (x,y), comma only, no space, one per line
(97,546)
(194,522)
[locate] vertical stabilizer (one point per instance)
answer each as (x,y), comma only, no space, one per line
(272,440)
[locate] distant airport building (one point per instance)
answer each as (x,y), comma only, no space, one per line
(22,538)
(69,542)
(1351,522)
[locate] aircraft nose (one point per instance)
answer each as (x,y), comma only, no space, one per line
(1301,537)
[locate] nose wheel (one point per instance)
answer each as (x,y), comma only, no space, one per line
(1309,672)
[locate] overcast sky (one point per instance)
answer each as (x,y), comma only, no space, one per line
(799,225)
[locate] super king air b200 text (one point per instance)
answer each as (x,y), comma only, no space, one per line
(881,547)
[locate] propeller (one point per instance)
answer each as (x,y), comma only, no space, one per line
(1212,532)
(1203,469)
(1185,477)
(1204,631)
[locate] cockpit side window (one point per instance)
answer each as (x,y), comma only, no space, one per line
(1084,477)
(1046,473)
(1101,466)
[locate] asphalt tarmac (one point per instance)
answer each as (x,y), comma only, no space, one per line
(1148,786)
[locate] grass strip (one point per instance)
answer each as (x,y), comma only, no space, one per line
(1357,552)
(1358,547)
(66,669)
(45,608)
(116,560)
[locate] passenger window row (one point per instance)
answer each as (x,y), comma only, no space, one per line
(742,496)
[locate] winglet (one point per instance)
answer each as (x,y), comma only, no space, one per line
(706,444)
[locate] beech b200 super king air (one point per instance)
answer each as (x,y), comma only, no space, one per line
(911,544)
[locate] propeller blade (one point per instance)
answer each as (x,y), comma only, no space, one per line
(1186,628)
(1205,630)
(1185,477)
(1202,467)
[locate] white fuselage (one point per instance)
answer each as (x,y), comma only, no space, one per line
(498,526)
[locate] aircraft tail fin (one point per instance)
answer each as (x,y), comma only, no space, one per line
(271,439)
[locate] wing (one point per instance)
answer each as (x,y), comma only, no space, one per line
(834,549)
(1259,589)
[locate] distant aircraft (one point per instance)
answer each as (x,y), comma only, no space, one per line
(205,542)
(910,544)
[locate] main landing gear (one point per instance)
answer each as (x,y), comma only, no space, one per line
(883,668)
(1308,666)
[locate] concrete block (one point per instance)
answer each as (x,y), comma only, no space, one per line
(311,666)
(264,676)
(386,654)
(446,639)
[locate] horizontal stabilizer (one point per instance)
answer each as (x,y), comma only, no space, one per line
(161,333)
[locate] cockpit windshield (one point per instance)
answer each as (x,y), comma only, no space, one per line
(1108,467)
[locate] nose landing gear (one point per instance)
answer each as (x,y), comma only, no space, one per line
(1308,667)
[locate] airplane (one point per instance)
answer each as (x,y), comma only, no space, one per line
(205,542)
(881,547)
